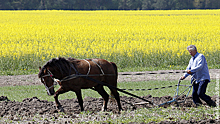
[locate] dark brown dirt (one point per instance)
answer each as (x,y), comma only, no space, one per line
(29,108)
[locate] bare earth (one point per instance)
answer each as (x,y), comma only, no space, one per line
(123,76)
(34,110)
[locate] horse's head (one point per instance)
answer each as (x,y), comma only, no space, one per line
(47,79)
(56,68)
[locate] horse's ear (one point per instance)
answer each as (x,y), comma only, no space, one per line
(39,68)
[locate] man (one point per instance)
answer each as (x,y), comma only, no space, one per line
(198,68)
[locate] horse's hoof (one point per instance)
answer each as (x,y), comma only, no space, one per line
(61,110)
(104,110)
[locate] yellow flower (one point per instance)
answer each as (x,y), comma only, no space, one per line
(92,34)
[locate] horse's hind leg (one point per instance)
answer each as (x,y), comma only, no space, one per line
(116,95)
(104,94)
(80,100)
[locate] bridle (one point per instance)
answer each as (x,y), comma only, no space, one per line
(55,82)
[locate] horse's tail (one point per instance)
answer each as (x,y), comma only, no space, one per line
(112,97)
(116,70)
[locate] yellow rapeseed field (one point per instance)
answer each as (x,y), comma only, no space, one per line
(30,38)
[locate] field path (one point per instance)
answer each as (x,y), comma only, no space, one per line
(123,76)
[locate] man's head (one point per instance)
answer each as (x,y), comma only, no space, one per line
(192,50)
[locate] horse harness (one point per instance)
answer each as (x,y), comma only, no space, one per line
(83,75)
(71,76)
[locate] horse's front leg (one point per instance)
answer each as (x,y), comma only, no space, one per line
(80,100)
(57,93)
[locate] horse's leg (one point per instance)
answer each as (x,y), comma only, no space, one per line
(80,100)
(116,95)
(104,94)
(57,93)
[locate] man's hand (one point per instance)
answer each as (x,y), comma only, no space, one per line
(182,78)
(189,72)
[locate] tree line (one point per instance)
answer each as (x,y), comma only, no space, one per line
(108,4)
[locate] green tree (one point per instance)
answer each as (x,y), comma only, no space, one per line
(130,4)
(212,4)
(184,4)
(134,4)
(108,4)
(5,5)
(160,4)
(112,4)
(199,4)
(122,5)
(147,4)
(30,4)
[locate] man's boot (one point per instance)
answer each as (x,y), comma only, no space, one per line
(211,103)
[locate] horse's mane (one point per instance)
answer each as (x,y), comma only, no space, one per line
(61,63)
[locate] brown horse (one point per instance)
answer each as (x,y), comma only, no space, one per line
(71,74)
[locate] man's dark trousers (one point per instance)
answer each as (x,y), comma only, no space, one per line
(199,90)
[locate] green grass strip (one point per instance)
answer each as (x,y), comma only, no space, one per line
(18,93)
